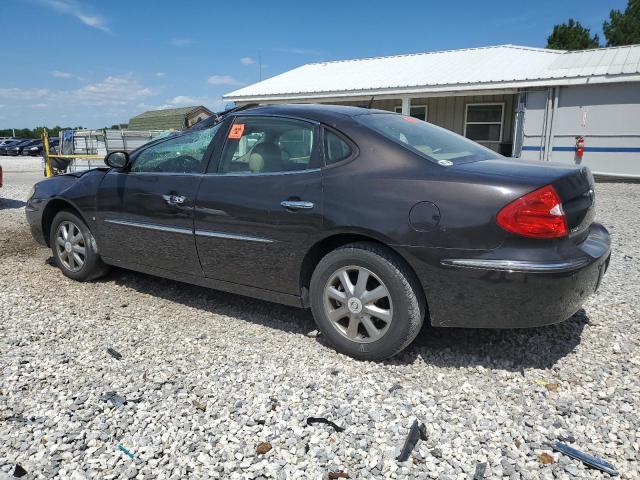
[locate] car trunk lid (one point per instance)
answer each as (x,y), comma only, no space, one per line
(574,184)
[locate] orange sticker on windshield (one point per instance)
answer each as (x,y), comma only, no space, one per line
(410,119)
(237,129)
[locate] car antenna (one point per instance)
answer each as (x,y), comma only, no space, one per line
(370,102)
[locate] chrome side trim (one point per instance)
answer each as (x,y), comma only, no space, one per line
(231,236)
(517,265)
(150,226)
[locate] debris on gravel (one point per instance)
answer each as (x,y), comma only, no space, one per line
(218,373)
(585,458)
(337,475)
(313,420)
(416,432)
(115,354)
(263,447)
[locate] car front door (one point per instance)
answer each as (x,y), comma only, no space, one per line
(259,207)
(145,212)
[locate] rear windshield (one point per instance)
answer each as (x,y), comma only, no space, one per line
(434,143)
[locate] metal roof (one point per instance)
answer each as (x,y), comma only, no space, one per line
(597,62)
(502,66)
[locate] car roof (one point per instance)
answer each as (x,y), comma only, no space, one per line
(318,112)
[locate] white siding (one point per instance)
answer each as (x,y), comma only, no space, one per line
(605,115)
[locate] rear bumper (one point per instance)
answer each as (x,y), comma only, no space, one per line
(490,291)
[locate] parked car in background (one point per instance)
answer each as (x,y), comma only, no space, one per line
(376,221)
(33,150)
(19,148)
(6,144)
(15,148)
(37,148)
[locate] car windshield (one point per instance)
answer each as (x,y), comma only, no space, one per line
(434,143)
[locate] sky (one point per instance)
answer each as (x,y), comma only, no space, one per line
(97,63)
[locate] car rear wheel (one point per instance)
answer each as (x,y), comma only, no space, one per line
(366,301)
(74,248)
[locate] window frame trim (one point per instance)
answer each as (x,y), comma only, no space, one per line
(317,151)
(474,104)
(398,109)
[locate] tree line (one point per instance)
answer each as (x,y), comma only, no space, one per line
(37,132)
(32,132)
(622,28)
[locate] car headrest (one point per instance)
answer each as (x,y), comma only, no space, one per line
(265,157)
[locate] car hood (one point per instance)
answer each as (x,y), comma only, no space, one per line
(54,186)
(82,173)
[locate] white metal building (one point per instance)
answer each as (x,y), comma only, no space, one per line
(525,102)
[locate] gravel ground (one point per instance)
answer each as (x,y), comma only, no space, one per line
(208,376)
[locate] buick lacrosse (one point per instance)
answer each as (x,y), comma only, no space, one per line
(376,221)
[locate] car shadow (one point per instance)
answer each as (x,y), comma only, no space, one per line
(274,315)
(9,204)
(504,349)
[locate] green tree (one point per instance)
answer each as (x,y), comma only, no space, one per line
(572,36)
(623,28)
(36,132)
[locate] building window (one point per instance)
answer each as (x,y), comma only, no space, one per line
(483,122)
(417,111)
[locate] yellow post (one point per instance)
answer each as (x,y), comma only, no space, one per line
(48,170)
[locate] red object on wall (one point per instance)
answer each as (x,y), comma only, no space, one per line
(579,146)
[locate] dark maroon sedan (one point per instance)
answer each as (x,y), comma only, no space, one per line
(374,220)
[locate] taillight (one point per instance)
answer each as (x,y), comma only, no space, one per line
(538,214)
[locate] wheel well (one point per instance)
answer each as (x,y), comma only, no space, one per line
(320,249)
(51,210)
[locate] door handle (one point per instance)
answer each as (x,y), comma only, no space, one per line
(297,205)
(174,199)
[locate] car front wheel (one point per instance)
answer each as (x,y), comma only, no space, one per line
(366,301)
(74,248)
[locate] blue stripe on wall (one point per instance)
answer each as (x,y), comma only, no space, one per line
(532,148)
(599,149)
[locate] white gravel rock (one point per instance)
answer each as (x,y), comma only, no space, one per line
(207,376)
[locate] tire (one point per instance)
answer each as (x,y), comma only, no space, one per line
(84,247)
(401,311)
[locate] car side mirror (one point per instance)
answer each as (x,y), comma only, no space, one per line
(117,159)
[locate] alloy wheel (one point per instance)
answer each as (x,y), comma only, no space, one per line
(70,246)
(358,304)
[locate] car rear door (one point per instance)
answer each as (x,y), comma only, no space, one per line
(259,207)
(145,212)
